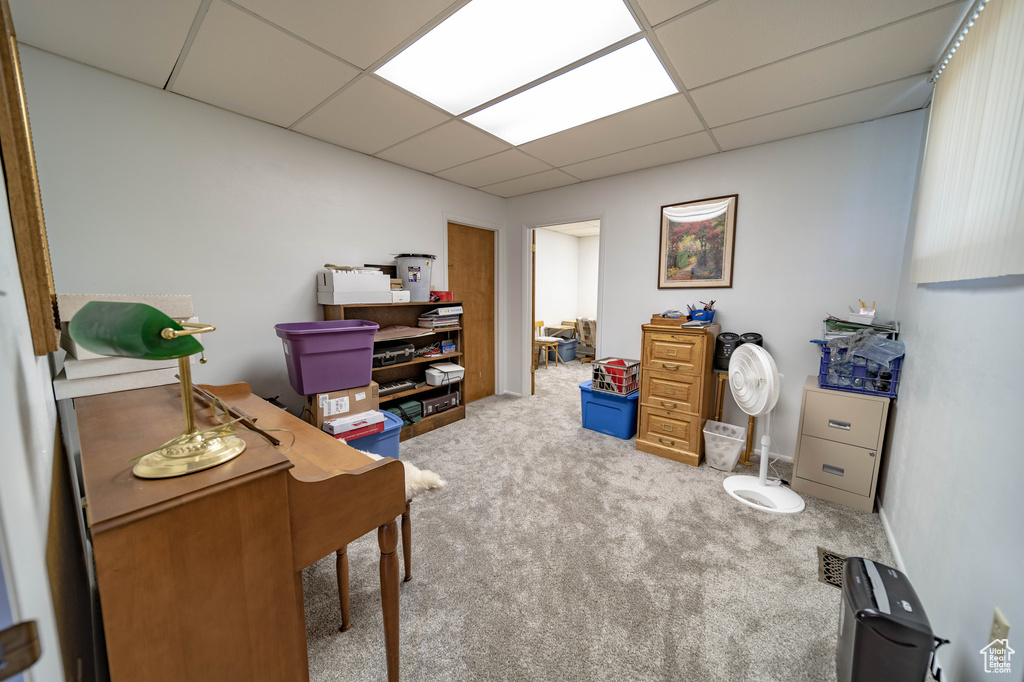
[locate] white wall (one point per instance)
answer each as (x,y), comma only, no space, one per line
(821,222)
(557,276)
(586,288)
(146,191)
(28,423)
(951,488)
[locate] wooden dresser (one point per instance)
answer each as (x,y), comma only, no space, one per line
(677,391)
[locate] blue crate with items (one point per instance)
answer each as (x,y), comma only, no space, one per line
(858,374)
(608,413)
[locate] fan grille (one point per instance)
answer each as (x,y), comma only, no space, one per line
(753,379)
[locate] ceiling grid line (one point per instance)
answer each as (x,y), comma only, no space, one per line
(659,50)
(811,50)
(187,45)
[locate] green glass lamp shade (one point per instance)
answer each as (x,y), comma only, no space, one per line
(130,330)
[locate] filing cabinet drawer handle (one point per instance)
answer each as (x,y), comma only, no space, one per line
(665,441)
(836,424)
(670,406)
(671,368)
(829,469)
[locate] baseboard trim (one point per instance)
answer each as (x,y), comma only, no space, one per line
(892,540)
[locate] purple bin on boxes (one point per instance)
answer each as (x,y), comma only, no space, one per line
(328,356)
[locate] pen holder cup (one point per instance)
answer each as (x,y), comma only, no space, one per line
(703,315)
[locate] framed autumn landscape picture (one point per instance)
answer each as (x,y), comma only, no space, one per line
(697,239)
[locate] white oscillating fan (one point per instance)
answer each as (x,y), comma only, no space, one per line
(754,380)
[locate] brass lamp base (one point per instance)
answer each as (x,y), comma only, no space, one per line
(189,453)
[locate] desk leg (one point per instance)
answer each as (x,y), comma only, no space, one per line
(720,396)
(387,538)
(407,541)
(745,459)
(342,567)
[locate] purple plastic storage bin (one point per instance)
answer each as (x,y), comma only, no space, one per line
(328,356)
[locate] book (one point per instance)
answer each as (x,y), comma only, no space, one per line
(444,311)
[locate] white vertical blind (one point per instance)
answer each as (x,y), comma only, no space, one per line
(970,215)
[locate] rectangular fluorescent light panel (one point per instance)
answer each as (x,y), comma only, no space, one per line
(491,47)
(620,80)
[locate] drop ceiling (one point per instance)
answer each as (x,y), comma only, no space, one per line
(747,73)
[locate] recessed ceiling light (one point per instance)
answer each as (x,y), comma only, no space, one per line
(490,47)
(620,80)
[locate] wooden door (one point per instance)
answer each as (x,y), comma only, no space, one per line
(471,278)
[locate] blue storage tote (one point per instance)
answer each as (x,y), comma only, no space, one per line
(384,443)
(566,350)
(608,413)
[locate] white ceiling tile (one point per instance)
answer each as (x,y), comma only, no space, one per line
(369,116)
(864,105)
(358,31)
(448,145)
(242,64)
(658,154)
(908,48)
(140,40)
(506,165)
(586,228)
(658,11)
(659,120)
(759,33)
(531,183)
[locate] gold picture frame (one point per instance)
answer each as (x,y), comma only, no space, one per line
(23,198)
(697,243)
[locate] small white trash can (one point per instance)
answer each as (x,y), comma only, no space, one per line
(723,444)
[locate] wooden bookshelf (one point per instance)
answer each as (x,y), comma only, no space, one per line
(407,315)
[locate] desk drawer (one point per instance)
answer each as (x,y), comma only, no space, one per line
(679,393)
(678,353)
(843,418)
(670,429)
(836,464)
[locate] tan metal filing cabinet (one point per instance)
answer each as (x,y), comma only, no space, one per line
(676,391)
(840,448)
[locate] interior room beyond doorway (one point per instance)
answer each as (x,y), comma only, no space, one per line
(565,269)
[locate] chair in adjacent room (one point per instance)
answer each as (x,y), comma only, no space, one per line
(543,344)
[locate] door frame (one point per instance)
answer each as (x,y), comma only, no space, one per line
(526,319)
(500,350)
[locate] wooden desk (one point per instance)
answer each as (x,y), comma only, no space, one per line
(200,576)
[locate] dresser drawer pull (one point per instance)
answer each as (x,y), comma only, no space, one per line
(829,469)
(670,406)
(671,368)
(836,424)
(665,441)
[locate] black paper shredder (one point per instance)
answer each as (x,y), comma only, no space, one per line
(884,635)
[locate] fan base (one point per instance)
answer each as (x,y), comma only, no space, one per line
(769,498)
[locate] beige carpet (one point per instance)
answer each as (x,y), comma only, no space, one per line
(558,553)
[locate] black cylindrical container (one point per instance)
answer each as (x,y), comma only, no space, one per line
(752,337)
(726,343)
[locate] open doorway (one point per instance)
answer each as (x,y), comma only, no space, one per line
(564,267)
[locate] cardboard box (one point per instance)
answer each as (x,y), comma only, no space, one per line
(349,425)
(350,280)
(324,406)
(401,296)
(349,297)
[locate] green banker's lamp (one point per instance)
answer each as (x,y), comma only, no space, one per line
(136,330)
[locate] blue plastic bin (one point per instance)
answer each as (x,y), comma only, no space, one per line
(859,381)
(384,443)
(566,350)
(608,413)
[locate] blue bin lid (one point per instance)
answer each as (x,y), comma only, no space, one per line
(391,421)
